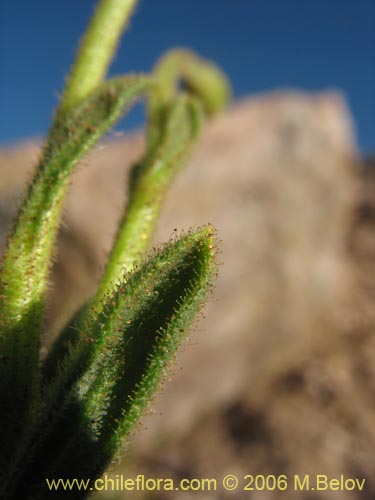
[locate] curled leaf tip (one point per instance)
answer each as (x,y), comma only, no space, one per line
(198,76)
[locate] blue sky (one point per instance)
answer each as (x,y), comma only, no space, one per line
(261,44)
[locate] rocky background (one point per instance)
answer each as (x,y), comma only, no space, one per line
(278,378)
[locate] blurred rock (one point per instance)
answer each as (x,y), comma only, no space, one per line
(279,378)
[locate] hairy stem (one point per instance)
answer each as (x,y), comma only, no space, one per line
(97,48)
(174,125)
(27,258)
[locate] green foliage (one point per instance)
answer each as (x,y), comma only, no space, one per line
(107,363)
(117,363)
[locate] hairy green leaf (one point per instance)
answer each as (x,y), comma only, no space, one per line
(122,359)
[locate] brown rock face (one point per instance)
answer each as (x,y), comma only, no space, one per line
(279,376)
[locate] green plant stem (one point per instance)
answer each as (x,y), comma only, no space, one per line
(175,122)
(97,48)
(26,261)
(148,191)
